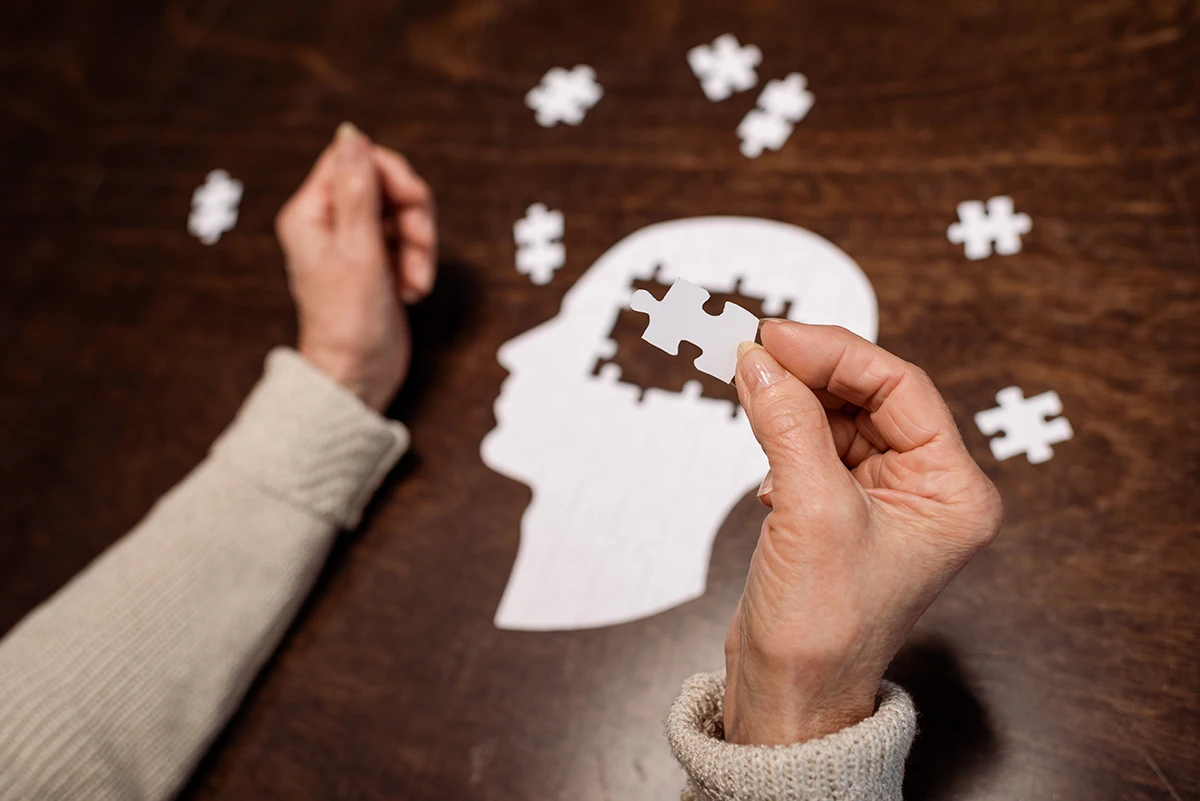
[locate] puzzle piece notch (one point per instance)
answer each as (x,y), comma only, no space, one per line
(680,316)
(1026,425)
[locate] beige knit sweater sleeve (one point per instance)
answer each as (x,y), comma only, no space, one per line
(864,762)
(115,687)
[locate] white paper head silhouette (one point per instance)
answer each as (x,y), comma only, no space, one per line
(628,495)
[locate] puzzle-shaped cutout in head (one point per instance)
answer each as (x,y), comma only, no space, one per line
(630,488)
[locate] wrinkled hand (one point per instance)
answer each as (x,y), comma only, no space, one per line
(875,506)
(360,242)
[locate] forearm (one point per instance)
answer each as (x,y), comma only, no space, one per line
(864,762)
(115,687)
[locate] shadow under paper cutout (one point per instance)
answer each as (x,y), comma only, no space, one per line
(955,743)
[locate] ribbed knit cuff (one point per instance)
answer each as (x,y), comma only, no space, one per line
(304,437)
(864,762)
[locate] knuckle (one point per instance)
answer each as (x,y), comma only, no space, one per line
(986,513)
(284,221)
(919,373)
(992,506)
(425,191)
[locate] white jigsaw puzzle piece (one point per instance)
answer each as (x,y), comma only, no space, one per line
(1025,425)
(539,253)
(1010,227)
(788,98)
(998,228)
(215,207)
(680,316)
(725,66)
(564,96)
(761,131)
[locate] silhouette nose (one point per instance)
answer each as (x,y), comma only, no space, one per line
(523,349)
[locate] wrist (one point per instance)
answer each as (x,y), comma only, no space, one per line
(773,705)
(353,374)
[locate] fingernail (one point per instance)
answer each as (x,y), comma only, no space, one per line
(768,484)
(757,369)
(352,143)
(763,322)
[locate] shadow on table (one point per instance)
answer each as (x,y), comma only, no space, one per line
(439,323)
(955,742)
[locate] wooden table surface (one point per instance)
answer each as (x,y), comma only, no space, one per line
(1063,663)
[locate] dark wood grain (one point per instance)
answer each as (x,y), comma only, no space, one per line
(1062,664)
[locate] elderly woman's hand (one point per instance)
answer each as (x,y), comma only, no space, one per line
(875,506)
(360,241)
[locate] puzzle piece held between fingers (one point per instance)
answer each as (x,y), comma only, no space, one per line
(680,317)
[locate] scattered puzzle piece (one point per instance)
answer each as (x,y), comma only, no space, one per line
(1025,425)
(725,66)
(781,105)
(680,316)
(214,207)
(761,131)
(540,251)
(789,98)
(564,96)
(979,231)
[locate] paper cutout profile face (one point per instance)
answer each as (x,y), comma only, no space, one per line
(629,494)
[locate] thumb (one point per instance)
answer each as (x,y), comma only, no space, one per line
(357,200)
(788,421)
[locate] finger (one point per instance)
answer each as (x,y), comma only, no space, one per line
(851,442)
(309,206)
(861,448)
(401,183)
(357,198)
(787,419)
(843,429)
(418,249)
(415,220)
(903,406)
